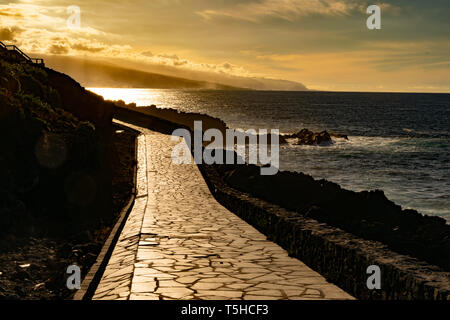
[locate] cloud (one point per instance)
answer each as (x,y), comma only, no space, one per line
(9,33)
(283,9)
(290,10)
(174,60)
(147,53)
(169,56)
(44,31)
(10,13)
(87,47)
(180,63)
(58,49)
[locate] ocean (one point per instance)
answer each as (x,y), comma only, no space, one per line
(398,142)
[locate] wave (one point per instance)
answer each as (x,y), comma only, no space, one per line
(394,144)
(427,134)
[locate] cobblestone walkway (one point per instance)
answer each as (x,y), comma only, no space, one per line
(180,243)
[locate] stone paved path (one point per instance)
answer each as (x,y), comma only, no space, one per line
(180,243)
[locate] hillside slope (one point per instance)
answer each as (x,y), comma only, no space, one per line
(100,74)
(123,74)
(55,148)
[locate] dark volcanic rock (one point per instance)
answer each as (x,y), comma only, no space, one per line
(337,135)
(308,137)
(367,214)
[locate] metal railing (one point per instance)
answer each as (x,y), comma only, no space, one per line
(37,61)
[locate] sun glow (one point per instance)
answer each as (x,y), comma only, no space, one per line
(142,97)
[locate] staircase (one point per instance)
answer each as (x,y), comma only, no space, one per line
(15,52)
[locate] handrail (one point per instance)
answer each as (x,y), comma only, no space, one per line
(15,48)
(12,47)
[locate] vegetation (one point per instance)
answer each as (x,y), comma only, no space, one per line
(41,146)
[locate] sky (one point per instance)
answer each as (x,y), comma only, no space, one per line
(323,44)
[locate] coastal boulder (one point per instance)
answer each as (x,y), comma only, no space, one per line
(338,135)
(308,137)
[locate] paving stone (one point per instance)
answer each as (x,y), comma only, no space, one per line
(170,284)
(213,298)
(187,279)
(143,287)
(221,280)
(272,293)
(222,293)
(241,286)
(137,296)
(249,297)
(174,293)
(277,286)
(199,286)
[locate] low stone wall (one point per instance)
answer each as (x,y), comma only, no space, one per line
(95,273)
(145,120)
(338,255)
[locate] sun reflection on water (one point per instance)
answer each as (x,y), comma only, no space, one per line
(142,97)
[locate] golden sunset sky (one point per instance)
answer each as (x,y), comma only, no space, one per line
(323,44)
